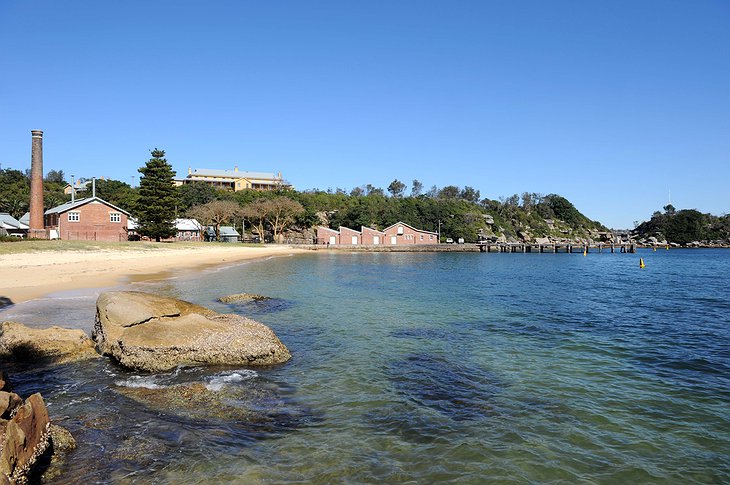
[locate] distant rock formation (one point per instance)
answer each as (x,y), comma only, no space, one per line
(54,344)
(155,333)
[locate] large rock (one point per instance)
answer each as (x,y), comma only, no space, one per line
(54,344)
(155,333)
(23,439)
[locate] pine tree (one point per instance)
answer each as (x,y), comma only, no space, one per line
(157,198)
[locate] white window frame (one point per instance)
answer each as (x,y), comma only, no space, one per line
(118,217)
(74,216)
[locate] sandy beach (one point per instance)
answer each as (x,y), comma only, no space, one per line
(28,275)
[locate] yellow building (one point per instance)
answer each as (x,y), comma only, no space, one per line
(235,180)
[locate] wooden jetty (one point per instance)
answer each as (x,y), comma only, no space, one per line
(495,247)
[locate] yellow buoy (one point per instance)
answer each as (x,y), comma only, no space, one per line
(667,247)
(641,263)
(585,252)
(655,249)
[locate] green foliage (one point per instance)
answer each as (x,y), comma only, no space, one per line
(196,193)
(56,176)
(14,192)
(117,193)
(565,211)
(53,194)
(158,198)
(396,188)
(685,226)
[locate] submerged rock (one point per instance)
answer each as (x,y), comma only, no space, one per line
(54,344)
(155,333)
(243,297)
(53,461)
(255,409)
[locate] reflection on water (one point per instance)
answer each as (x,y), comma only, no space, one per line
(424,368)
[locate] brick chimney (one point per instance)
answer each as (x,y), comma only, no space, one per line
(36,225)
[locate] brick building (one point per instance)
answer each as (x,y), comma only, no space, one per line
(398,234)
(325,235)
(401,233)
(91,219)
(371,236)
(349,236)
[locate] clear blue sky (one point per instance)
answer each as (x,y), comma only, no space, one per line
(610,104)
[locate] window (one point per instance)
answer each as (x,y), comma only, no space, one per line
(74,216)
(400,229)
(431,237)
(115,217)
(421,237)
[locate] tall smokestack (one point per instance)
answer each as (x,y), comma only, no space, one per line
(36,186)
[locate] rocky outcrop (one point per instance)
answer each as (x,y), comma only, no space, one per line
(243,297)
(23,439)
(61,444)
(154,333)
(54,344)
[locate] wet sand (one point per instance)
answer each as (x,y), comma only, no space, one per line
(28,275)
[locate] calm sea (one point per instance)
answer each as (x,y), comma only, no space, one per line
(423,368)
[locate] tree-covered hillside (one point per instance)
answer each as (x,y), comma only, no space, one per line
(458,212)
(685,227)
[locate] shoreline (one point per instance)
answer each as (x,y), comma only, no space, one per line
(30,275)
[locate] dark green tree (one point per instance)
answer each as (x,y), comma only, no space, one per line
(158,199)
(196,193)
(396,188)
(55,176)
(416,188)
(449,192)
(118,193)
(470,194)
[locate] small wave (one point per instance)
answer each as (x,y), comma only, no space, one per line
(216,382)
(148,382)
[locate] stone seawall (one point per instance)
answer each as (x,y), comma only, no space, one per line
(413,248)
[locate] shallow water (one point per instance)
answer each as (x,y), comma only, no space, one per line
(422,368)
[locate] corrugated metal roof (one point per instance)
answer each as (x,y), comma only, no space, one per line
(228,231)
(187,225)
(180,224)
(9,222)
(78,203)
(208,172)
(400,223)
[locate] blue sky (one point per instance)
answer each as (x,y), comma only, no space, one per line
(610,104)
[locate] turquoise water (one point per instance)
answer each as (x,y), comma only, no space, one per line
(424,368)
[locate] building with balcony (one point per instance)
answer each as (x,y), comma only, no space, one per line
(235,179)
